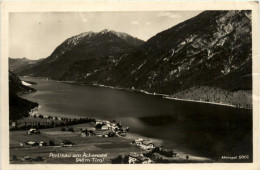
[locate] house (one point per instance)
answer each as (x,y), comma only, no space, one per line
(39,158)
(113,124)
(31,143)
(14,124)
(105,127)
(121,133)
(102,133)
(134,158)
(86,132)
(33,131)
(42,143)
(144,144)
(27,158)
(114,128)
(146,160)
(91,129)
(67,143)
(139,141)
(165,152)
(147,145)
(105,122)
(83,134)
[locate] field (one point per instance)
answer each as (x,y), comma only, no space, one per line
(113,146)
(105,148)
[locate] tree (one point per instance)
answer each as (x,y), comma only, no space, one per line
(125,160)
(51,143)
(71,129)
(15,158)
(98,126)
(117,160)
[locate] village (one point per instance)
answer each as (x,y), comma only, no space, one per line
(40,134)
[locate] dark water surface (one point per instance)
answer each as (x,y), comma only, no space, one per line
(201,129)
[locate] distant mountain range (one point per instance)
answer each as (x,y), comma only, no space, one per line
(212,49)
(84,46)
(17,64)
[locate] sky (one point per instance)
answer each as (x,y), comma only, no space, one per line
(36,35)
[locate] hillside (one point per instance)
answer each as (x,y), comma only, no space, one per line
(209,49)
(18,107)
(17,64)
(213,49)
(16,86)
(84,46)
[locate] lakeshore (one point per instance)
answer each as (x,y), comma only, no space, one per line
(147,115)
(49,131)
(166,96)
(112,147)
(198,101)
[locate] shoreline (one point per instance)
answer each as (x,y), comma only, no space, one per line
(159,142)
(134,136)
(165,96)
(200,101)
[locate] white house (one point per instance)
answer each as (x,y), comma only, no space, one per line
(105,127)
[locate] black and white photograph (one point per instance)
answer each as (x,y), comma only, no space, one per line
(130,87)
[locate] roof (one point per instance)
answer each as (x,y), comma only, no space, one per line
(103,121)
(105,126)
(31,142)
(102,132)
(91,128)
(139,140)
(147,142)
(134,154)
(165,149)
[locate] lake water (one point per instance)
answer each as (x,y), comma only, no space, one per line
(200,129)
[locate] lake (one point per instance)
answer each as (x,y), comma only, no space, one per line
(200,129)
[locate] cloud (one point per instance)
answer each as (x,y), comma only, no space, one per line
(169,14)
(135,23)
(148,23)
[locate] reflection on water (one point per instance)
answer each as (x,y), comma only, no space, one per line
(203,129)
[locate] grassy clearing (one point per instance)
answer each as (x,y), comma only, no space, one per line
(91,144)
(112,146)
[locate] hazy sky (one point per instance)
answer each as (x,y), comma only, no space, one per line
(36,35)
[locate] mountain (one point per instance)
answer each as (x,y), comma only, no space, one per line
(84,46)
(18,107)
(16,64)
(214,49)
(209,52)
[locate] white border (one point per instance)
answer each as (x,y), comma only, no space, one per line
(65,6)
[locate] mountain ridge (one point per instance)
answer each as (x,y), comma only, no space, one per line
(81,47)
(176,53)
(212,49)
(17,64)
